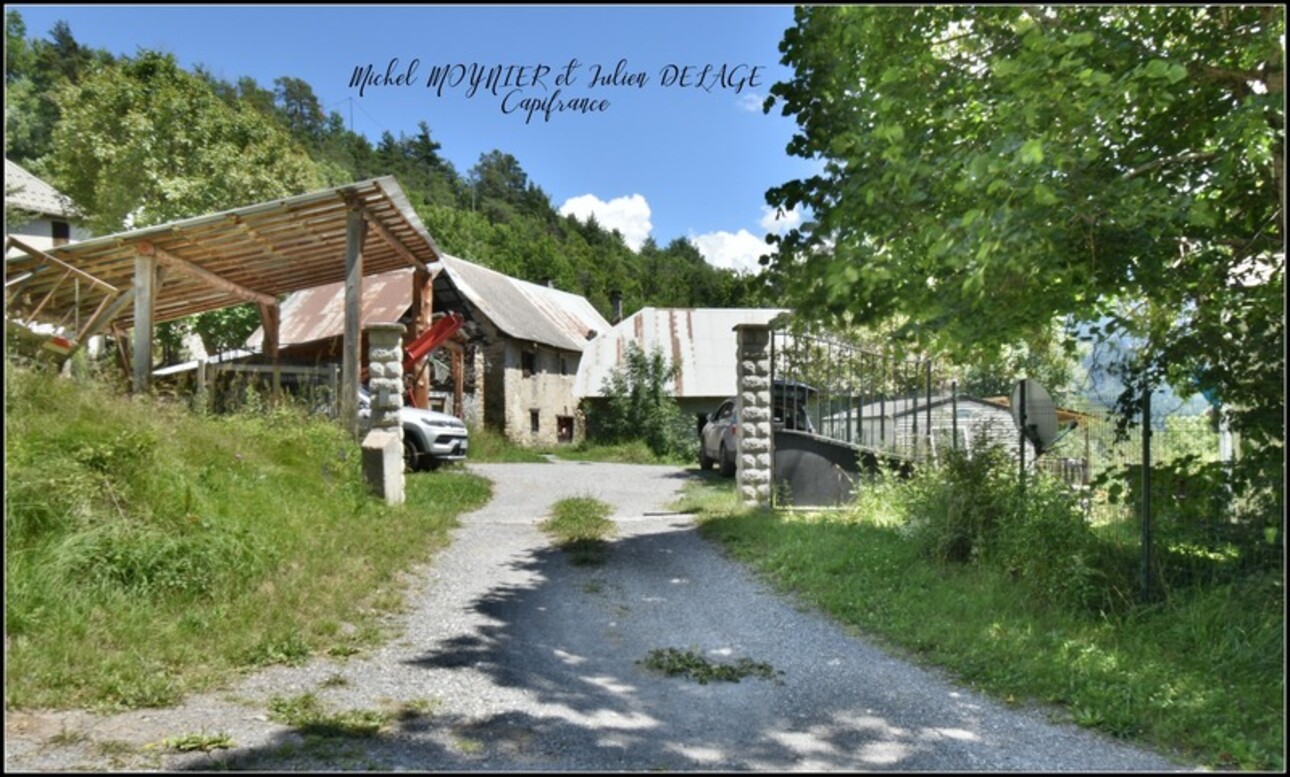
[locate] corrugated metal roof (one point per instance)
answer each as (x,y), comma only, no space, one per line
(701,342)
(520,309)
(319,313)
(526,311)
(26,191)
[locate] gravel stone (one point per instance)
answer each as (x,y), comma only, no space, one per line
(529,663)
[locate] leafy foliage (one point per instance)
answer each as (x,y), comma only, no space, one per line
(143,142)
(973,509)
(989,170)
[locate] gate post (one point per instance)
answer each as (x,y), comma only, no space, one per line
(755,440)
(383,444)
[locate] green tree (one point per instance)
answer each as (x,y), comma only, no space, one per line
(146,140)
(34,69)
(299,108)
(988,170)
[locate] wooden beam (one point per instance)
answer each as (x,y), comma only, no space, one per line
(107,310)
(395,243)
(351,342)
(146,248)
(458,382)
(145,275)
(31,317)
(16,243)
(250,232)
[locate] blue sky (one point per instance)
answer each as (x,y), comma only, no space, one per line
(662,159)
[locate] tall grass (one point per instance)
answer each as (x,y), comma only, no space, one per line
(1200,674)
(151,552)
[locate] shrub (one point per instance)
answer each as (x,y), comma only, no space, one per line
(973,509)
(955,510)
(638,406)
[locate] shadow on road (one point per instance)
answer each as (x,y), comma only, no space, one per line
(567,646)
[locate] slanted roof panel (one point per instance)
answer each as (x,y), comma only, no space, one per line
(701,342)
(319,313)
(27,192)
(526,311)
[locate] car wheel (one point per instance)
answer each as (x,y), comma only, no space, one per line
(411,456)
(727,463)
(705,461)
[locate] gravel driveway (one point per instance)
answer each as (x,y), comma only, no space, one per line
(530,663)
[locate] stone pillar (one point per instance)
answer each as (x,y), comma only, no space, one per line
(385,373)
(755,441)
(383,444)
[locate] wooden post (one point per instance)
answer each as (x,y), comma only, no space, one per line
(145,270)
(458,382)
(355,231)
(270,320)
(122,350)
(422,310)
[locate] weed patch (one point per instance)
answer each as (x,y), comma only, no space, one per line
(579,526)
(204,743)
(690,663)
(308,715)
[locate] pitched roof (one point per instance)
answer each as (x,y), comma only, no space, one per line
(700,342)
(523,310)
(27,192)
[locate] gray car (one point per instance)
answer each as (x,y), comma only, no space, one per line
(717,439)
(430,438)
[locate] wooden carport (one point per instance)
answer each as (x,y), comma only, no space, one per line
(256,254)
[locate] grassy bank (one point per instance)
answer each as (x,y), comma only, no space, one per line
(1201,675)
(151,552)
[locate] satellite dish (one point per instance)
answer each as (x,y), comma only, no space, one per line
(1040,412)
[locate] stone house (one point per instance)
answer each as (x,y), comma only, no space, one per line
(520,347)
(530,341)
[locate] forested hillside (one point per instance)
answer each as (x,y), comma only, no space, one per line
(137,140)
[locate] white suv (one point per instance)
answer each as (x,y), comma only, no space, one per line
(429,437)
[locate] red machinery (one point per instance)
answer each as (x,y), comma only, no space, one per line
(446,326)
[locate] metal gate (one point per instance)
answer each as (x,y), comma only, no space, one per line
(841,410)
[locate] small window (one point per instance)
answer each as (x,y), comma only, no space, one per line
(564,366)
(62,233)
(535,424)
(528,363)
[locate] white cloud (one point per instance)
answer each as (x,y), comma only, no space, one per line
(751,102)
(628,215)
(734,251)
(773,222)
